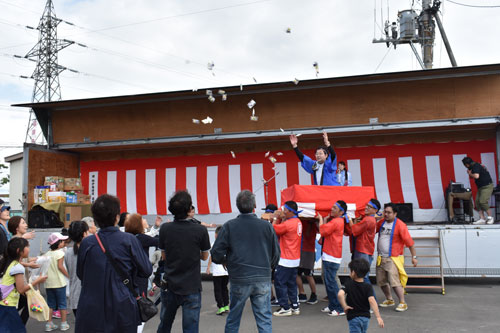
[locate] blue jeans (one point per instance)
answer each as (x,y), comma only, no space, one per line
(56,298)
(332,289)
(368,258)
(358,325)
(285,283)
(191,305)
(260,297)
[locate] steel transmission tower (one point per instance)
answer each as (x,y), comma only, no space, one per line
(46,74)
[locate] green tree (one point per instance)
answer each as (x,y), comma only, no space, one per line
(5,179)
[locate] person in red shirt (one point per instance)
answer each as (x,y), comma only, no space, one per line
(289,230)
(362,234)
(332,232)
(392,239)
(307,260)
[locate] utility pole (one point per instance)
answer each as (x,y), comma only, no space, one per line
(46,74)
(427,34)
(420,29)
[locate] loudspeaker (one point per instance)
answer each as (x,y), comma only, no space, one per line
(405,212)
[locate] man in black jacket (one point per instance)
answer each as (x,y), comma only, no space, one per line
(249,248)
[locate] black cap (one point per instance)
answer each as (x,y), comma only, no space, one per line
(270,208)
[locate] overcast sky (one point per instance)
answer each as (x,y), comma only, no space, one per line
(145,46)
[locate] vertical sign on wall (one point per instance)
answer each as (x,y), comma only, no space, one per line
(93,185)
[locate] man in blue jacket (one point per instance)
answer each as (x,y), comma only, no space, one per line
(324,168)
(249,248)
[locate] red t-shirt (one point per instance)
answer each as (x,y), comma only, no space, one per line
(333,232)
(290,234)
(364,231)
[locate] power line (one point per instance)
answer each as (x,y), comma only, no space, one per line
(73,71)
(381,61)
(149,63)
(23,8)
(99,31)
(161,52)
(176,16)
(473,6)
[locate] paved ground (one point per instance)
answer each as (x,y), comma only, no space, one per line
(468,306)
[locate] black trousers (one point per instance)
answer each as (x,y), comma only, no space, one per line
(220,290)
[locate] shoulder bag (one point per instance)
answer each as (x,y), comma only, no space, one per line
(147,308)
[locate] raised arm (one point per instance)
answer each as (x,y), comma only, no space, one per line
(331,152)
(294,140)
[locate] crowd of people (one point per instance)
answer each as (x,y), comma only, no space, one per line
(250,256)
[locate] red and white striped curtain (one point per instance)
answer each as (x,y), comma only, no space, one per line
(416,173)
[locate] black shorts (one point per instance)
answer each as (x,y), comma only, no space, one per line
(305,271)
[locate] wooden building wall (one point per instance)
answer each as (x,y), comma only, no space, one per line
(447,98)
(283,144)
(44,163)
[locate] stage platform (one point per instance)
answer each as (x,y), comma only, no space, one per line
(468,250)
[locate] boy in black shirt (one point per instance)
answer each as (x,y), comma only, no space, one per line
(359,298)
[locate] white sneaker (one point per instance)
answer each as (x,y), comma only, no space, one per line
(490,220)
(295,311)
(334,313)
(480,221)
(283,313)
(326,309)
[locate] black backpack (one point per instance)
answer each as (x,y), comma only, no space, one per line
(40,217)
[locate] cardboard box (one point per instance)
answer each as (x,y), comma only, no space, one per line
(56,183)
(72,184)
(41,194)
(56,197)
(82,198)
(72,214)
(71,197)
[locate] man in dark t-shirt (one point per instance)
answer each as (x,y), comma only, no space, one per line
(183,243)
(357,296)
(484,185)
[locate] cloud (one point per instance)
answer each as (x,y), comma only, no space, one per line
(172,49)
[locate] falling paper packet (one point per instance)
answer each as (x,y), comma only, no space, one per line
(272,159)
(224,97)
(288,30)
(282,130)
(196,121)
(279,154)
(297,135)
(254,118)
(254,79)
(211,98)
(267,154)
(207,120)
(221,92)
(233,154)
(296,81)
(251,104)
(316,66)
(210,65)
(208,92)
